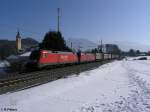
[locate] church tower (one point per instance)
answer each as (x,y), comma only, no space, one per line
(18,42)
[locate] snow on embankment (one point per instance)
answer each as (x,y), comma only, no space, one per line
(12,59)
(138,99)
(104,85)
(3,66)
(140,68)
(27,54)
(120,86)
(137,58)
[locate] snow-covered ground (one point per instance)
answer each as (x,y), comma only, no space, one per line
(26,54)
(120,86)
(3,66)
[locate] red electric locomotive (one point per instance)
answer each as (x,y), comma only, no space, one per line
(43,58)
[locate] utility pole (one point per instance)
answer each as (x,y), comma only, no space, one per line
(58,17)
(101,46)
(71,45)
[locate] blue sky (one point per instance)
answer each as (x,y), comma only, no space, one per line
(110,20)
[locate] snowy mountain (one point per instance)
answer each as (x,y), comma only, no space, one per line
(126,46)
(81,43)
(85,44)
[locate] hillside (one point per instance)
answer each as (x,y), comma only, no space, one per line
(29,42)
(8,47)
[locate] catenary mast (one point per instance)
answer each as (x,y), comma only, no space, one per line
(58,21)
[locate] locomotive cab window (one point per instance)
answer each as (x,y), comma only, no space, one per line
(44,55)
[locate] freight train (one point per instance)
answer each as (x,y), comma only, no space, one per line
(46,58)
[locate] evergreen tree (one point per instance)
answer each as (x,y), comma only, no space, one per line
(54,41)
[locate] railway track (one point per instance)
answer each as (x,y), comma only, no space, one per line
(27,80)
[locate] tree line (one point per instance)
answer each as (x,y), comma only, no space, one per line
(133,52)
